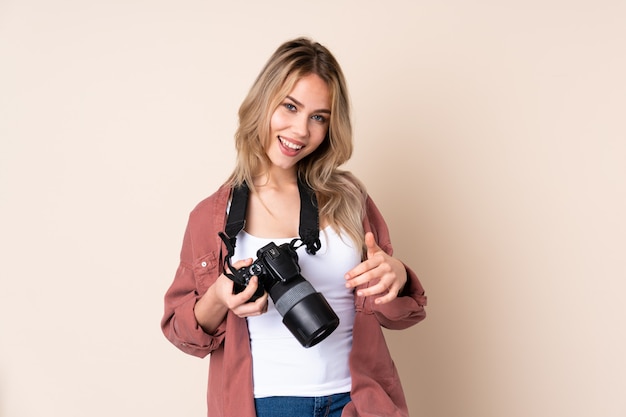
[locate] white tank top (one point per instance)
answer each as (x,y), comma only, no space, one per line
(280,365)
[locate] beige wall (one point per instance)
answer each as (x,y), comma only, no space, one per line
(491,134)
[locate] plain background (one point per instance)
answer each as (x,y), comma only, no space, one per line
(490,133)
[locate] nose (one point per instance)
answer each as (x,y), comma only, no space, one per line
(300,125)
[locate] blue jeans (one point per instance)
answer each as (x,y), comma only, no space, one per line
(330,406)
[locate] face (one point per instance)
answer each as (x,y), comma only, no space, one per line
(300,122)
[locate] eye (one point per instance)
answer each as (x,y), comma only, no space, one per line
(319,118)
(290,106)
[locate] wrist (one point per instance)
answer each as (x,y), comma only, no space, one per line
(209,310)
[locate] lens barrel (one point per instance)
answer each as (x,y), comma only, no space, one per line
(306,313)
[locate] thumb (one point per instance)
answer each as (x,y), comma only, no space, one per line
(370,243)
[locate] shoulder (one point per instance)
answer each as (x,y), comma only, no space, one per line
(202,242)
(211,212)
(352,189)
(219,198)
(351,180)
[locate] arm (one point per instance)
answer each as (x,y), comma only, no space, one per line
(179,324)
(211,309)
(384,285)
(200,296)
(405,310)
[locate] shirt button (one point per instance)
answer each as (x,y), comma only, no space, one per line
(204,264)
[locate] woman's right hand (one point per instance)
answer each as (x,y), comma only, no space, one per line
(212,307)
(238,303)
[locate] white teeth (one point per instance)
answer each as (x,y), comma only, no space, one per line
(290,145)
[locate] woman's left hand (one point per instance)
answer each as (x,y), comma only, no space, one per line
(388,271)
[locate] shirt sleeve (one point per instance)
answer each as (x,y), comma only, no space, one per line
(408,308)
(193,277)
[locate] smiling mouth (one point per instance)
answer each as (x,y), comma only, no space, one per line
(290,145)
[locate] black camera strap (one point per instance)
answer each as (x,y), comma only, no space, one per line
(309,218)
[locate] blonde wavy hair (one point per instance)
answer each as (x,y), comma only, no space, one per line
(341,196)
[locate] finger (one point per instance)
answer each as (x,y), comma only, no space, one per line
(359,270)
(370,244)
(391,288)
(261,304)
(377,288)
(373,268)
(241,264)
(250,289)
(390,296)
(256,308)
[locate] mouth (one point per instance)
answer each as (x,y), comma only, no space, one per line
(290,145)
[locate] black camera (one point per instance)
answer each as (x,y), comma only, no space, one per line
(305,312)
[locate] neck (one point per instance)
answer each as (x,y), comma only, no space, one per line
(276,178)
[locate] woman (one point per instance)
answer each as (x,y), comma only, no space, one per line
(294,127)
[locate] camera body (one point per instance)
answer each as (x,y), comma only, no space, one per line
(274,264)
(305,312)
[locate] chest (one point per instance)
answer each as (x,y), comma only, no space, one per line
(273,215)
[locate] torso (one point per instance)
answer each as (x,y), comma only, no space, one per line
(274,212)
(281,366)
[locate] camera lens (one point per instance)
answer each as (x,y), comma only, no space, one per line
(306,313)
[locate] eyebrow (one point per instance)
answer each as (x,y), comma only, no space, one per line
(302,105)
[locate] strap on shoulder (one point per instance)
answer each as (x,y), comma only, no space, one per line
(309,218)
